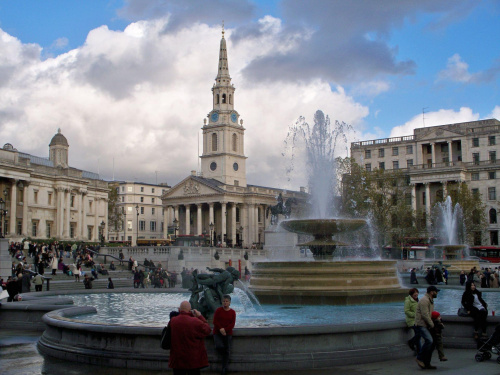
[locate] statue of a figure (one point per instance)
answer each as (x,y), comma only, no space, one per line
(281,208)
(208,289)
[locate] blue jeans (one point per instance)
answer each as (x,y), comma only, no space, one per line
(415,340)
(425,353)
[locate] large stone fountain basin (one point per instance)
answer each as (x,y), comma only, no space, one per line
(321,228)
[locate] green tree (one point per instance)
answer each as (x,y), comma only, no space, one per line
(115,214)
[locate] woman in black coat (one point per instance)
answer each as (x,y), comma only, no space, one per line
(476,307)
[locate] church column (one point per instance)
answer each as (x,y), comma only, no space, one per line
(414,197)
(166,220)
(83,223)
(25,211)
(244,221)
(176,213)
(223,222)
(256,223)
(96,218)
(58,229)
(13,206)
(198,220)
(433,148)
(188,222)
(68,213)
(450,152)
(211,213)
(251,225)
(428,203)
(233,224)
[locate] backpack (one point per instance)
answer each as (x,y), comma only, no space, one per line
(166,337)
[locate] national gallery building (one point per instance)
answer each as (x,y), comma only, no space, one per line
(219,194)
(46,198)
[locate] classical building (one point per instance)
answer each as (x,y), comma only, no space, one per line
(46,198)
(438,157)
(219,194)
(140,211)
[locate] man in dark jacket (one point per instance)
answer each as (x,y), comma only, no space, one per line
(12,288)
(423,322)
(189,329)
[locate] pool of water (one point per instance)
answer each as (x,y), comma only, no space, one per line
(152,309)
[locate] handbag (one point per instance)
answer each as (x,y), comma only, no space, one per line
(166,337)
(462,312)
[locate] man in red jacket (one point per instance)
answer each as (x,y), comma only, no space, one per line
(224,321)
(189,329)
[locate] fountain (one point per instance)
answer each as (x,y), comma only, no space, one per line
(449,228)
(324,281)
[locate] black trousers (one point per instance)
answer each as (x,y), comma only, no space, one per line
(225,349)
(38,288)
(479,317)
(187,372)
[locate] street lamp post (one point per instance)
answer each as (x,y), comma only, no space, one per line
(137,224)
(102,226)
(3,213)
(176,226)
(211,226)
(241,236)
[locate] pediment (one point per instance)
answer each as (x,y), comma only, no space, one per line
(191,187)
(437,133)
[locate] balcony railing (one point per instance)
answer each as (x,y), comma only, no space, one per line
(382,141)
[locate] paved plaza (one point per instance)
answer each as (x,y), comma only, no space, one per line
(19,356)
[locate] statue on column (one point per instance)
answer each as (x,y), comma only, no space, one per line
(208,289)
(281,208)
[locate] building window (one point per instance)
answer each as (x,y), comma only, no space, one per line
(152,211)
(72,230)
(90,230)
(492,175)
(214,141)
(408,199)
(459,146)
(152,226)
(129,189)
(72,202)
(475,176)
(492,193)
(444,147)
(474,191)
(381,165)
(381,153)
(409,163)
(491,140)
(152,200)
(123,189)
(129,224)
(493,216)
(142,189)
(48,229)
(368,154)
(475,158)
(368,167)
(235,142)
(142,199)
(142,210)
(123,199)
(34,228)
(153,190)
(475,142)
(49,199)
(395,151)
(236,183)
(409,149)
(494,238)
(90,206)
(35,197)
(395,164)
(477,238)
(142,225)
(493,156)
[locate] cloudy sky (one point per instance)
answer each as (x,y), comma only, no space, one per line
(128,81)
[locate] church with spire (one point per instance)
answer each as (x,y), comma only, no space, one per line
(217,201)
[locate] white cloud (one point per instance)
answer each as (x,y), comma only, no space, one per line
(371,88)
(456,70)
(495,113)
(140,97)
(441,117)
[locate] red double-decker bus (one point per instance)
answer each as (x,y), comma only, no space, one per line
(489,253)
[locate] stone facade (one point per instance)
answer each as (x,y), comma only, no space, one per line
(143,214)
(46,198)
(438,157)
(219,194)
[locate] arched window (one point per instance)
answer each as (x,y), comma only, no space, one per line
(230,99)
(223,98)
(214,141)
(217,102)
(493,216)
(235,142)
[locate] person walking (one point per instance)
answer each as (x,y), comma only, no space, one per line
(476,307)
(413,276)
(424,323)
(188,331)
(411,303)
(224,321)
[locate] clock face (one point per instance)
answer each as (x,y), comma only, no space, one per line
(235,166)
(213,166)
(234,118)
(214,117)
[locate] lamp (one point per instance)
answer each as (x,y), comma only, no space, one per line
(211,226)
(176,226)
(137,224)
(102,226)
(3,213)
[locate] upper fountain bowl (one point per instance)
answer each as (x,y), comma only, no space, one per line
(321,228)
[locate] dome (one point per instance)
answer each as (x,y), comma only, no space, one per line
(9,147)
(59,139)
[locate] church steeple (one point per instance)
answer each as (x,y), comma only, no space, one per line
(223,155)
